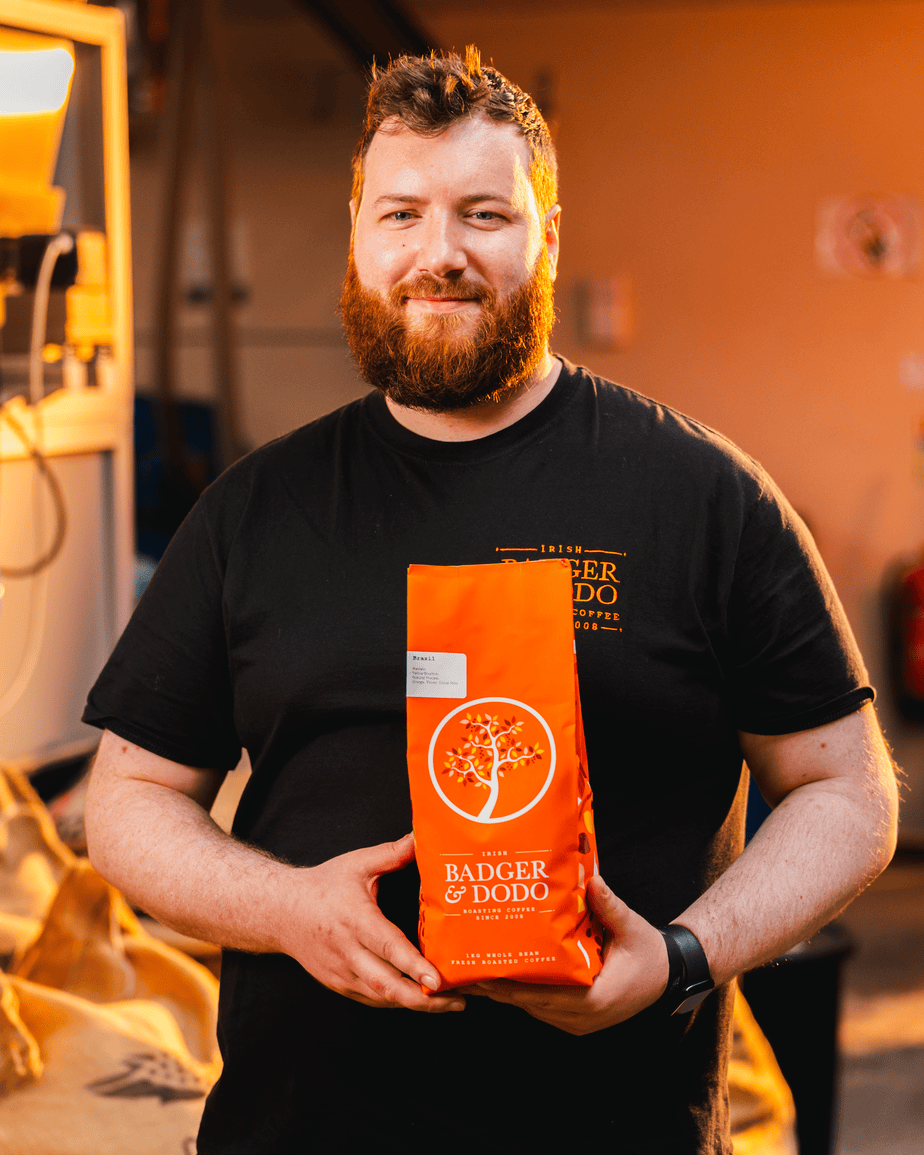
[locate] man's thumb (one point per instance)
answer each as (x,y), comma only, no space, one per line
(389,856)
(610,910)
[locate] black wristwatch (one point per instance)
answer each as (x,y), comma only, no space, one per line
(690,981)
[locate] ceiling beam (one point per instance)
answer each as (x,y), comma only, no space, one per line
(371,30)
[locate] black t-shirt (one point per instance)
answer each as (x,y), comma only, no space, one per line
(276,621)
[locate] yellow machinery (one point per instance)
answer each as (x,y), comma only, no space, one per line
(35,82)
(66,535)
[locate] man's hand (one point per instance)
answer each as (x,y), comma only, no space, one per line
(634,975)
(340,936)
(150,834)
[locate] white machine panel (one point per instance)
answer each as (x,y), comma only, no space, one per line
(56,629)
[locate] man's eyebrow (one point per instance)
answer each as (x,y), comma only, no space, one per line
(480,198)
(466,201)
(397,199)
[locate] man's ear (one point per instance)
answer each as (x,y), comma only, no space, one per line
(552,222)
(353,210)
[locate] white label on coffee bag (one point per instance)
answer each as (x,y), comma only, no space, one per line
(432,675)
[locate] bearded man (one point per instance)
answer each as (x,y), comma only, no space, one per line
(276,621)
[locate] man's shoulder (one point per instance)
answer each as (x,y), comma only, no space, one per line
(263,480)
(654,431)
(313,437)
(296,449)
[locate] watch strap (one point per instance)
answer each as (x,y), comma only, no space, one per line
(689,981)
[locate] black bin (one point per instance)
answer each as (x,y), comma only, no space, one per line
(796,1000)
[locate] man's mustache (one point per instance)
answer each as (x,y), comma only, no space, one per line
(425,286)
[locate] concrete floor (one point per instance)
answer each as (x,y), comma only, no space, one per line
(882,1028)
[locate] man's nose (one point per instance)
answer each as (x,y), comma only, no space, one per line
(442,251)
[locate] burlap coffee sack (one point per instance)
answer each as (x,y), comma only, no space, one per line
(33,860)
(763,1115)
(20,1061)
(92,946)
(112,1078)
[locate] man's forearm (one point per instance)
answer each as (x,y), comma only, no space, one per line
(150,834)
(162,849)
(822,845)
(833,830)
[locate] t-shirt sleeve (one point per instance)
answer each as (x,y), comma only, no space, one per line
(794,663)
(167,685)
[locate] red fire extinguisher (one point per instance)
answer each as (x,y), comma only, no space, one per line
(908,640)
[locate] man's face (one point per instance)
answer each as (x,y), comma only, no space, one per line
(448,296)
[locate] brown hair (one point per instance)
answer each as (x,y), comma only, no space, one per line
(428,94)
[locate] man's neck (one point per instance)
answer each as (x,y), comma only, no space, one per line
(486,417)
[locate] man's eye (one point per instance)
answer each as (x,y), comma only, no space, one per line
(486,215)
(400,215)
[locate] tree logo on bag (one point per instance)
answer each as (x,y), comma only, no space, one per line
(492,759)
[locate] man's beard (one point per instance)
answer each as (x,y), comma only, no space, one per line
(440,362)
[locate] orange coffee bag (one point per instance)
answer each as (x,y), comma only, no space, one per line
(503,817)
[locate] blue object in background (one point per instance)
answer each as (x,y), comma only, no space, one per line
(144,571)
(164,493)
(758,809)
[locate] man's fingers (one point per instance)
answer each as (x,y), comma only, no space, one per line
(530,996)
(388,943)
(363,993)
(633,975)
(391,988)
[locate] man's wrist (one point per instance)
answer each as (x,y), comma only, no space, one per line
(689,981)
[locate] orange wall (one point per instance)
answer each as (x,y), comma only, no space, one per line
(695,144)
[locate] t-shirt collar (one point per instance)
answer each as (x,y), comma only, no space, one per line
(388,429)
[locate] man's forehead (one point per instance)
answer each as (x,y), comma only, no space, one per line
(466,146)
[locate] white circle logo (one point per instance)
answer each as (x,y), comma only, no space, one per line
(497,760)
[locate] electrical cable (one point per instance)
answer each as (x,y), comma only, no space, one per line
(62,243)
(38,589)
(54,487)
(38,569)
